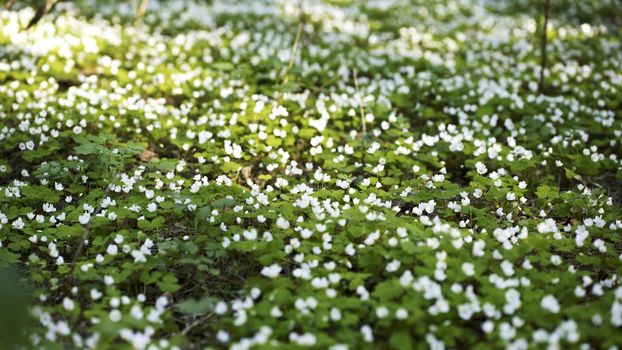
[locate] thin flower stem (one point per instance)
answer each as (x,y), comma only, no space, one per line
(361,103)
(140,13)
(292,57)
(543,45)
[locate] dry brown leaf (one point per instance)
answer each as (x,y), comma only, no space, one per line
(146,155)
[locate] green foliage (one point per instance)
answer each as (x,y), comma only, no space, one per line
(190,185)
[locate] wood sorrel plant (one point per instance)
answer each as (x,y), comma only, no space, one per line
(341,175)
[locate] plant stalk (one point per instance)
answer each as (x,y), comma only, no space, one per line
(543,45)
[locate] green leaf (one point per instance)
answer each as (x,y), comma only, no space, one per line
(223,202)
(400,340)
(409,247)
(230,167)
(264,177)
(226,66)
(144,224)
(193,307)
(169,284)
(546,192)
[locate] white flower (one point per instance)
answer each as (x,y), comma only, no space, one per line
(550,304)
(108,280)
(282,223)
(115,315)
(220,308)
(468,269)
(250,235)
(582,235)
(306,339)
(350,250)
(271,271)
(118,239)
(95,294)
(48,208)
(600,245)
(196,186)
(319,282)
(136,312)
(84,218)
(401,314)
(556,260)
(152,207)
(112,249)
(488,326)
(18,224)
(548,226)
(222,336)
(335,314)
(393,266)
(68,304)
(367,333)
(481,168)
(507,267)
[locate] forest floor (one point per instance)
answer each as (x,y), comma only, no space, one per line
(324,174)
